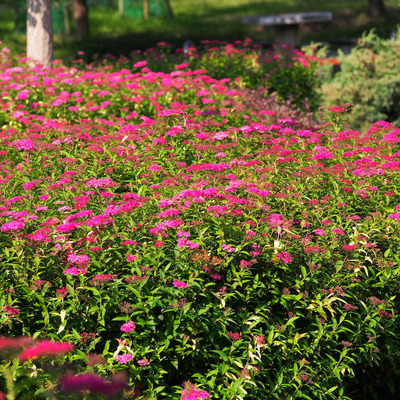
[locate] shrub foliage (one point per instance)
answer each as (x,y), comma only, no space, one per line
(369,79)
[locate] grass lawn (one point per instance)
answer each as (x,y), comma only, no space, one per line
(208,19)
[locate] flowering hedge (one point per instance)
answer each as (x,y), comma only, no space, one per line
(160,238)
(289,72)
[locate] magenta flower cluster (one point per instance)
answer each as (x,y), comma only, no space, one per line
(128,327)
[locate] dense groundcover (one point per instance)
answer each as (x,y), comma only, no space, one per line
(161,239)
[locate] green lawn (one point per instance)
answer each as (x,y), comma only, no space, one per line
(209,8)
(208,19)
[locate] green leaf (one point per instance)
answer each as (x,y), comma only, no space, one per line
(224,357)
(106,347)
(270,336)
(332,389)
(223,368)
(388,253)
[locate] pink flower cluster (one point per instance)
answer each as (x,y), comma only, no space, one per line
(124,358)
(180,285)
(9,310)
(285,257)
(24,144)
(12,226)
(128,327)
(45,348)
(74,271)
(323,155)
(100,183)
(228,248)
(191,392)
(183,242)
(80,260)
(234,336)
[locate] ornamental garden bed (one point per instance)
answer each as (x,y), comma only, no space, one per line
(164,235)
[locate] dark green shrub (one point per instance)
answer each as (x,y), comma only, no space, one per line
(369,77)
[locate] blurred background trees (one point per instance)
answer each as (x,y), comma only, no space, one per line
(120,26)
(81,19)
(376,8)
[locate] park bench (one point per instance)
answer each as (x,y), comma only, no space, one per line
(287,26)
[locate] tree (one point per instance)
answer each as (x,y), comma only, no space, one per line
(39,33)
(81,18)
(376,8)
(169,9)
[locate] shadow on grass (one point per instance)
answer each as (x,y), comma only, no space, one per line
(268,7)
(223,23)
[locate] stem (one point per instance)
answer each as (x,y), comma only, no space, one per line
(9,382)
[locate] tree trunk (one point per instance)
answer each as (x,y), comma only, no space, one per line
(121,8)
(146,9)
(81,19)
(39,33)
(376,8)
(169,9)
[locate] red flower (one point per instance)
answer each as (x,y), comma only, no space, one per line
(233,335)
(11,310)
(45,348)
(14,342)
(337,109)
(385,314)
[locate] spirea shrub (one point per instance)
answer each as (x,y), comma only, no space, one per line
(283,70)
(161,238)
(369,79)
